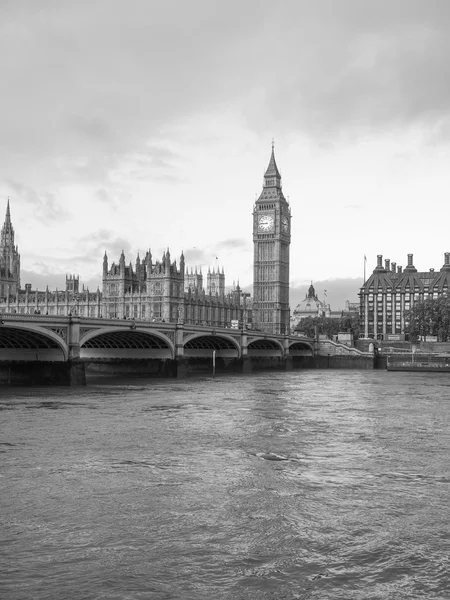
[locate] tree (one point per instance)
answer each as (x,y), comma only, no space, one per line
(429,317)
(329,326)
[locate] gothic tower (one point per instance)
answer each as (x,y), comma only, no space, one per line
(9,258)
(215,282)
(271,240)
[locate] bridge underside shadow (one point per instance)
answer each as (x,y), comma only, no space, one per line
(204,346)
(300,349)
(265,348)
(198,355)
(131,345)
(26,345)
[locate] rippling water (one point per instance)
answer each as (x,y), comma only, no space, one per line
(312,484)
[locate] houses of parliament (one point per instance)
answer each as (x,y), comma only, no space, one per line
(169,290)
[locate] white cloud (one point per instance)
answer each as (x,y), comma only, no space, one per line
(151,127)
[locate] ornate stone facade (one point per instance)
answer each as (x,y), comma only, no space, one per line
(164,291)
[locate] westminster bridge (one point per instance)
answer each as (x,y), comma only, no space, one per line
(172,349)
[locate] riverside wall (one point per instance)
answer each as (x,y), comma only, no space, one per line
(36,373)
(78,372)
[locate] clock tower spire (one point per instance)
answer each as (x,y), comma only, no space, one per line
(271,241)
(272,177)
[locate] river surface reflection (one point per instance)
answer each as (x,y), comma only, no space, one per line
(311,484)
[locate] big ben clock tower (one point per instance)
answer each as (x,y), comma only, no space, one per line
(271,240)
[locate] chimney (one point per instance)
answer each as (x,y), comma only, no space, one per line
(399,269)
(431,270)
(394,265)
(380,260)
(387,264)
(447,259)
(410,260)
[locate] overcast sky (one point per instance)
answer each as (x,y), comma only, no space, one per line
(142,124)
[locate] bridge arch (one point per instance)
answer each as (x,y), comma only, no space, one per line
(301,348)
(203,344)
(130,342)
(261,346)
(31,342)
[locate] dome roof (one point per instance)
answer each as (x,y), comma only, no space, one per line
(310,305)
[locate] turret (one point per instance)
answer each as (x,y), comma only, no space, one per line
(182,262)
(122,263)
(105,264)
(148,263)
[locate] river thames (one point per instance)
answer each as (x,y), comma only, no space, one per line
(308,484)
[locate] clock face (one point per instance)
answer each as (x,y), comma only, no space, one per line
(265,223)
(285,224)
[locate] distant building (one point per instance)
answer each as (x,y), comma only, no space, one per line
(311,306)
(351,307)
(193,280)
(390,292)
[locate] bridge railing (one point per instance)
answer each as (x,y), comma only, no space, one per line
(144,323)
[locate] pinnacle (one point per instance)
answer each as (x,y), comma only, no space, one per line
(272,169)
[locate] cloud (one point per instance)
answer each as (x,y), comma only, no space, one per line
(233,244)
(53,279)
(196,256)
(45,206)
(94,129)
(98,242)
(361,66)
(86,89)
(50,268)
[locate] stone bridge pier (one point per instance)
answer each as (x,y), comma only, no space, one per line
(76,368)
